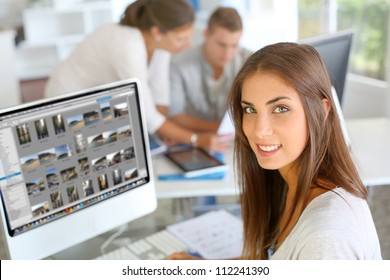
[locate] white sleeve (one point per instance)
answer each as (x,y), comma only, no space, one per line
(159,77)
(154,119)
(131,62)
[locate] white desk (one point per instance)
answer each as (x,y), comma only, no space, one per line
(370,146)
(370,139)
(192,188)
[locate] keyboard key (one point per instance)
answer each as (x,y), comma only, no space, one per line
(118,254)
(154,247)
(155,256)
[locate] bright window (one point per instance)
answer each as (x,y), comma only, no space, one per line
(369,20)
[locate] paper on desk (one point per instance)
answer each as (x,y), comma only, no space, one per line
(214,235)
(226,125)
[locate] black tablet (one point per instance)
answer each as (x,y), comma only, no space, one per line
(195,162)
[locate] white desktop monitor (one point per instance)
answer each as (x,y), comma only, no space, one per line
(73,167)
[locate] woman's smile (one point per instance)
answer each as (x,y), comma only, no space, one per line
(268,150)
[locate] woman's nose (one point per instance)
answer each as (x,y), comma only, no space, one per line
(263,126)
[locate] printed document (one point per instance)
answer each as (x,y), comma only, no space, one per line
(214,235)
(226,125)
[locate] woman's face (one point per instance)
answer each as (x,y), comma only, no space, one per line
(176,40)
(274,121)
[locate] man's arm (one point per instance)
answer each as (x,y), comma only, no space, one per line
(194,123)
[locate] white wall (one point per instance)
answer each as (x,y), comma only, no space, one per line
(9,84)
(365,98)
(118,7)
(261,19)
(11,12)
(270,22)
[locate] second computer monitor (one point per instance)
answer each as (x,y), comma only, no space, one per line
(335,50)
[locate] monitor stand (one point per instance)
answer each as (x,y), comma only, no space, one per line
(86,250)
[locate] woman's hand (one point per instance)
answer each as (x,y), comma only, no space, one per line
(182,256)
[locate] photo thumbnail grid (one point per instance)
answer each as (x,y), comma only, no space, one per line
(65,175)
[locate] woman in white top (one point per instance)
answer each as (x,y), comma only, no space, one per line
(301,195)
(138,47)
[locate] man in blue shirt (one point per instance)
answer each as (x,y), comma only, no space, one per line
(201,77)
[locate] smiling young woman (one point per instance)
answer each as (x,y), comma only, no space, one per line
(302,197)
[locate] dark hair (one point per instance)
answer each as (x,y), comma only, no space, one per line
(325,161)
(164,14)
(225,17)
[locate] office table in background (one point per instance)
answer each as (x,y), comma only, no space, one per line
(370,138)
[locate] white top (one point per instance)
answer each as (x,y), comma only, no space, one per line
(112,53)
(335,225)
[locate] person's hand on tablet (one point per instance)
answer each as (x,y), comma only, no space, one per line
(219,143)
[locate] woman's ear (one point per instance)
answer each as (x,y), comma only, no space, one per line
(156,33)
(326,105)
(206,34)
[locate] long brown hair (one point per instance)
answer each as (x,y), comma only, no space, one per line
(325,161)
(167,15)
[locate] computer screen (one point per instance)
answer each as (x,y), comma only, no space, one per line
(73,167)
(334,49)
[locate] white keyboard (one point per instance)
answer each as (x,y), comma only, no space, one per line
(154,247)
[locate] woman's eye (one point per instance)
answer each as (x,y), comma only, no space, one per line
(249,110)
(281,109)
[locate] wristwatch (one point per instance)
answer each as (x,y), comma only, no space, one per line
(194,139)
